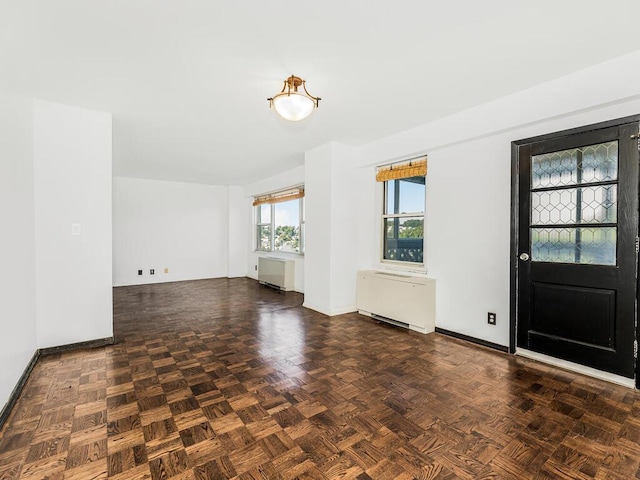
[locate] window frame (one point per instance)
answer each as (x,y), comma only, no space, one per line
(383,218)
(257,225)
(271,224)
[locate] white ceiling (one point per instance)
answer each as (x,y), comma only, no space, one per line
(187,80)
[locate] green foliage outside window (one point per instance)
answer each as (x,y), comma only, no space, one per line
(287,237)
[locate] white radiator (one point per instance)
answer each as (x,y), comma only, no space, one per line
(276,272)
(399,299)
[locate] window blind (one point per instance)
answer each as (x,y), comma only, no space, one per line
(283,196)
(413,168)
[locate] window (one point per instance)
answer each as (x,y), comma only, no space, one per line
(403,212)
(263,221)
(280,222)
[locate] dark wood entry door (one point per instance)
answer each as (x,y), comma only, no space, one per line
(576,246)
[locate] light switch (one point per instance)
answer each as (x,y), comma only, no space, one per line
(75,229)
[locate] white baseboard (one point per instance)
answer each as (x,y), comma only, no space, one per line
(577,368)
(330,313)
(316,309)
(343,310)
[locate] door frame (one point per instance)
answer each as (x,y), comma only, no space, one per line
(515,219)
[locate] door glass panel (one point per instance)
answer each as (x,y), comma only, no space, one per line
(557,207)
(584,245)
(573,220)
(593,163)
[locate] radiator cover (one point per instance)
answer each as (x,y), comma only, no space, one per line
(277,272)
(404,299)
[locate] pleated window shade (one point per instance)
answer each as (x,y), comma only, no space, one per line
(278,197)
(412,168)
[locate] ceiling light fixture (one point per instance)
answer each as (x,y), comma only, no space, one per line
(291,104)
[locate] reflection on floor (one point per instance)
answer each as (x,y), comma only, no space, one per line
(219,379)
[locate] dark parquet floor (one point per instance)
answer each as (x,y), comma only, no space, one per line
(219,379)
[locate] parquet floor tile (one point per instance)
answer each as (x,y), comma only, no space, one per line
(226,379)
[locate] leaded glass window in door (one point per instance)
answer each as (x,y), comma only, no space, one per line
(574,205)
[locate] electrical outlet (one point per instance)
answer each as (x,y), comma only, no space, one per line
(166,270)
(491,318)
(152,272)
(139,272)
(256,267)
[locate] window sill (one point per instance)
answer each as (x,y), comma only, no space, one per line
(279,254)
(402,267)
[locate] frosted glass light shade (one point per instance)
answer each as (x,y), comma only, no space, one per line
(293,106)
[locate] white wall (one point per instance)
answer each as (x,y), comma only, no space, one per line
(344,227)
(180,226)
(290,178)
(468,236)
(239,231)
(17,282)
(332,247)
(317,282)
(468,185)
(72,186)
